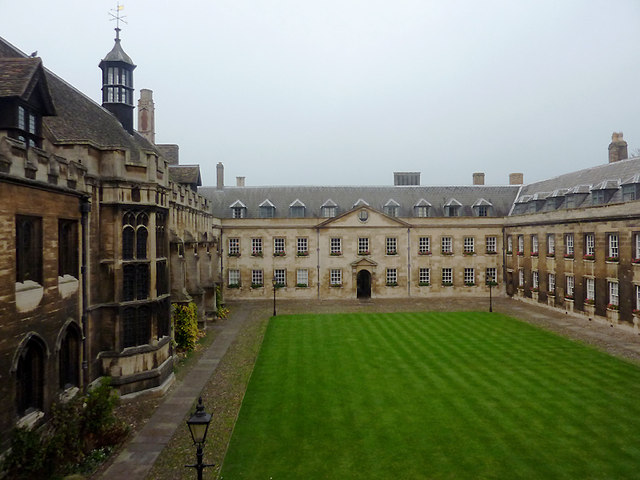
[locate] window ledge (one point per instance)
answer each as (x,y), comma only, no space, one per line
(67,286)
(30,420)
(28,295)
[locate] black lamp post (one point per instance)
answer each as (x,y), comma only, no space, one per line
(198,426)
(491,283)
(274,295)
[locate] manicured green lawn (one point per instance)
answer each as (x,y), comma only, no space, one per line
(433,395)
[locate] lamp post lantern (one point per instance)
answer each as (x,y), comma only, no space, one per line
(491,283)
(198,426)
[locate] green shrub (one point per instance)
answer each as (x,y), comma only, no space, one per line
(185,323)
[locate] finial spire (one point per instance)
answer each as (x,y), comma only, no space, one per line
(118,18)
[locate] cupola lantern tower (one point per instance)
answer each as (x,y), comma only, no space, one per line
(117,84)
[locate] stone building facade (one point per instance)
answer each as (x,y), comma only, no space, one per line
(89,215)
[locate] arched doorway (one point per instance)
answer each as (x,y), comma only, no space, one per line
(363,282)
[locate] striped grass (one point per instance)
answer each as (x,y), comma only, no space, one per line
(433,395)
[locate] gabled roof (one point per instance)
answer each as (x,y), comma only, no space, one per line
(185,174)
(633,179)
(329,203)
(422,203)
(360,202)
(392,203)
(607,185)
(21,78)
(237,204)
(267,203)
(297,203)
(452,202)
(482,202)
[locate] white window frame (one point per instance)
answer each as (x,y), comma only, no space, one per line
(570,286)
(521,277)
(302,277)
(424,245)
(302,246)
(234,277)
(491,274)
(535,246)
(568,244)
(363,246)
(447,275)
(469,245)
(335,246)
(392,276)
(535,279)
(391,246)
(551,244)
(590,244)
(257,277)
(492,244)
(424,275)
(335,277)
(614,245)
(614,297)
(520,244)
(234,246)
(551,280)
(590,287)
(509,244)
(256,246)
(446,244)
(329,211)
(636,246)
(279,246)
(637,288)
(280,277)
(469,275)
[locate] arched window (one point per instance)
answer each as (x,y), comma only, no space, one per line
(128,235)
(141,242)
(30,377)
(69,358)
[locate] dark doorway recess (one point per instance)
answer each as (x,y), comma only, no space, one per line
(363,281)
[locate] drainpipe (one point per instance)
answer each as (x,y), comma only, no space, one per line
(318,261)
(409,262)
(85,208)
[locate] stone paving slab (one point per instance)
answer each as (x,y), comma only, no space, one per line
(136,459)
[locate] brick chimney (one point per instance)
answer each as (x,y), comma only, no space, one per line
(146,115)
(516,179)
(239,181)
(220,176)
(478,178)
(617,148)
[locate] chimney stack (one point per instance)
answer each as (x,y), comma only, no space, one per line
(146,115)
(220,176)
(478,178)
(617,148)
(516,179)
(239,181)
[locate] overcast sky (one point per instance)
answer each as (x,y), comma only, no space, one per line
(345,92)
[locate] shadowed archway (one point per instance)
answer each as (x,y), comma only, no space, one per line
(363,282)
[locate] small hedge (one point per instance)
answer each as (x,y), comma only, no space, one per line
(185,324)
(77,431)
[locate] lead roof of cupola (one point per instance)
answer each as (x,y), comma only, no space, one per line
(117,54)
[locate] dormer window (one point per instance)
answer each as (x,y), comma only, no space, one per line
(421,209)
(629,192)
(28,127)
(238,209)
(392,208)
(452,208)
(482,208)
(329,209)
(267,209)
(297,209)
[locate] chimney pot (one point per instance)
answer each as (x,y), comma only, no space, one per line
(478,178)
(146,115)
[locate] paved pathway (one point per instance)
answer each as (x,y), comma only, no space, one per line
(138,456)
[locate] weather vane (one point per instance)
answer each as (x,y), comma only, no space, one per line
(117,17)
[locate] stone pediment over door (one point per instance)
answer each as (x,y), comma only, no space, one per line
(364,263)
(363,217)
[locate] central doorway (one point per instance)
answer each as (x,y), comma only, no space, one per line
(363,282)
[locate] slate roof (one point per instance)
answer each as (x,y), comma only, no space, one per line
(185,174)
(24,77)
(117,54)
(80,120)
(345,197)
(609,176)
